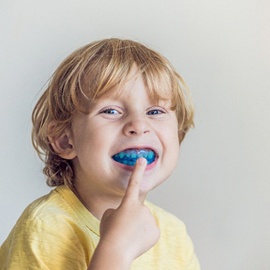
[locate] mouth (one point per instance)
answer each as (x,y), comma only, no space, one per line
(129,156)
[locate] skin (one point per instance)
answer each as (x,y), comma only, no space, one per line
(110,191)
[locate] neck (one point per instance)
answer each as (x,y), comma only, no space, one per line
(94,202)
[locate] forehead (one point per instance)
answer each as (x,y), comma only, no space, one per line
(136,84)
(112,83)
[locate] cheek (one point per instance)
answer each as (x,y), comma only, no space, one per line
(171,141)
(173,150)
(171,133)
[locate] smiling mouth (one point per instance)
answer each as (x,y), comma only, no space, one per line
(130,156)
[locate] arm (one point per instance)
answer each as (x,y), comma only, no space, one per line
(128,231)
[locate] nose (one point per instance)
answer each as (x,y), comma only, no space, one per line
(136,125)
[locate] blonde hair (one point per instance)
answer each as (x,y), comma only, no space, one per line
(87,74)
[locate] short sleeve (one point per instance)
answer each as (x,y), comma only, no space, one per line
(39,244)
(190,260)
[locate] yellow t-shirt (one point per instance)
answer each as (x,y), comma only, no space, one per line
(58,232)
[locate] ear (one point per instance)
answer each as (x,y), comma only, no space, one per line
(63,144)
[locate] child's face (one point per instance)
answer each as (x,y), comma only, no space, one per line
(120,124)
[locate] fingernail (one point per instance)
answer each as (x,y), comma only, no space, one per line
(141,161)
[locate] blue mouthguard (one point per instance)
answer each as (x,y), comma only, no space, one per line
(129,157)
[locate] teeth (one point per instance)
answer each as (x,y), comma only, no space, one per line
(129,157)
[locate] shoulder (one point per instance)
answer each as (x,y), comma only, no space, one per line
(45,219)
(172,230)
(45,210)
(165,219)
(57,214)
(174,241)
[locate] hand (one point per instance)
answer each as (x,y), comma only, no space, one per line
(130,230)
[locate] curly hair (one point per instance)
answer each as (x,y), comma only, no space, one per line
(86,75)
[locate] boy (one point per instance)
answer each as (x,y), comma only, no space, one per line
(109,127)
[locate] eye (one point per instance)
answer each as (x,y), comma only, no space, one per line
(110,111)
(155,111)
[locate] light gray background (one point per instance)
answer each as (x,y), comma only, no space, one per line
(221,187)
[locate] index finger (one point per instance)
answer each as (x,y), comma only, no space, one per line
(133,188)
